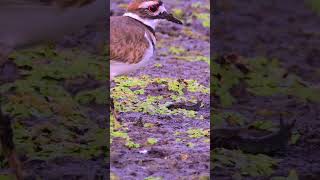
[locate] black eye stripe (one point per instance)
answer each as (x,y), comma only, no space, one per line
(154,8)
(156,5)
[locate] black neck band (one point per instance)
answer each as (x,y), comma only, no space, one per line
(148,27)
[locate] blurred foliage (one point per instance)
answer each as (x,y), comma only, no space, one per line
(293,175)
(221,119)
(264,78)
(234,77)
(48,120)
(246,164)
(314,5)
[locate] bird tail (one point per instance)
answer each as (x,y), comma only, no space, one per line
(7,144)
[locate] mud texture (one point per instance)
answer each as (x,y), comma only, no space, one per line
(174,156)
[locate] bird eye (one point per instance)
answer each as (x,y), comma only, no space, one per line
(153,8)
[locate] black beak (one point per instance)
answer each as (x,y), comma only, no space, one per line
(170,17)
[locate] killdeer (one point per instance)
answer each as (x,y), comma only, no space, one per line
(132,36)
(27,22)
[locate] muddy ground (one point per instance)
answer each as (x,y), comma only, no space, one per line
(289,32)
(165,112)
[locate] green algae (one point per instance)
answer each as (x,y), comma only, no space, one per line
(129,101)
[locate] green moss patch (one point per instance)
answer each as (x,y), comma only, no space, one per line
(129,91)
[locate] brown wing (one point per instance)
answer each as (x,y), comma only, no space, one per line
(127,40)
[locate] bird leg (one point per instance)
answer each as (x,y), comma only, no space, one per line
(8,148)
(113,110)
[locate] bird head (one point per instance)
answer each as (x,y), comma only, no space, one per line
(151,10)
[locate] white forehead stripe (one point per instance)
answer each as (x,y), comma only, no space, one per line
(147,4)
(162,8)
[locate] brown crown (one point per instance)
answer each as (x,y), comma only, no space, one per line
(134,5)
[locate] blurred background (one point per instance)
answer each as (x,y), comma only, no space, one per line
(55,95)
(265,64)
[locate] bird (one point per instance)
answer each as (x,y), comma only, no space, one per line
(133,37)
(25,23)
